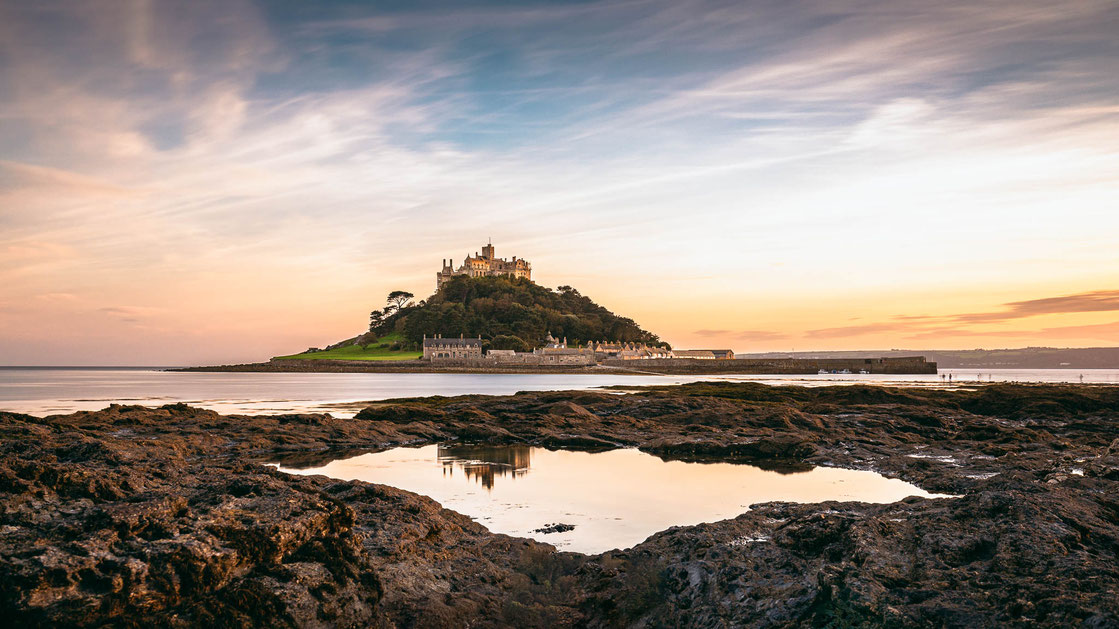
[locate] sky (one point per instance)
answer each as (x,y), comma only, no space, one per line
(224,181)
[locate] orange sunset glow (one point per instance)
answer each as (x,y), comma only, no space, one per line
(765,180)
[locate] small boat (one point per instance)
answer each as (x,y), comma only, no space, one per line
(863,371)
(822,372)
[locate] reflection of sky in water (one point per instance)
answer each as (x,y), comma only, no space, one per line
(615,499)
(41,391)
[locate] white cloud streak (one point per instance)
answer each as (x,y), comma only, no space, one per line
(792,131)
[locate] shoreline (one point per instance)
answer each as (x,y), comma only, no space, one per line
(416,366)
(641,368)
(170,514)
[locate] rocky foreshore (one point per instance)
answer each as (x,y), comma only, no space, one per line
(169,516)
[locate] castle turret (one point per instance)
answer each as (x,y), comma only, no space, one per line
(485,265)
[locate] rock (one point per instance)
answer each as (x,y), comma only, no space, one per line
(554,528)
(167,517)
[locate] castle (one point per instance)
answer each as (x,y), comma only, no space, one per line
(484,265)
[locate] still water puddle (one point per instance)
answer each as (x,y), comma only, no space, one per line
(614,499)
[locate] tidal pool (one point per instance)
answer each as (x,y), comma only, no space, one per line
(614,499)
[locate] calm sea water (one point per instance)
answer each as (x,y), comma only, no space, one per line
(45,390)
(614,499)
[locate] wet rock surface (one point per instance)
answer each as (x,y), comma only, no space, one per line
(170,516)
(558,527)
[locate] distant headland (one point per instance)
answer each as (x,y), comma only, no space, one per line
(487,315)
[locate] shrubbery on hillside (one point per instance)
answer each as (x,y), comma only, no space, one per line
(508,313)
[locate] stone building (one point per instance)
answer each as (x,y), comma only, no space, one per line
(484,265)
(694,354)
(704,354)
(627,351)
(439,348)
(554,352)
(643,352)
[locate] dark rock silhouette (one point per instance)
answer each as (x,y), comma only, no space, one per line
(169,517)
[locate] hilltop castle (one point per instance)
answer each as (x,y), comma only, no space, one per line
(484,265)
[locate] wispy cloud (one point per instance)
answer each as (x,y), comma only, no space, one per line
(854,330)
(166,153)
(927,327)
(1100,331)
(755,336)
(1095,301)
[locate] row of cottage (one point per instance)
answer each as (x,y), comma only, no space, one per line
(556,352)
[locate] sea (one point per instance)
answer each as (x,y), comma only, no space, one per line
(55,390)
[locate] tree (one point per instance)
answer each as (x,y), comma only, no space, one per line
(399,298)
(505,341)
(491,307)
(376,318)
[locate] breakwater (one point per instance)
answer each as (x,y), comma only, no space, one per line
(904,365)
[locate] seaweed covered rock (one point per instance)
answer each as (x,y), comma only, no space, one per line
(171,516)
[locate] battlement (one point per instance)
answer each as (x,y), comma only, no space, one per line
(485,264)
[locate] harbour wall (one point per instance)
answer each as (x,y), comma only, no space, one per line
(904,365)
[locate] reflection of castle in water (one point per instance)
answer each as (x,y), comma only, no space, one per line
(485,463)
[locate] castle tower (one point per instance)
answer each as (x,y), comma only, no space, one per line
(485,265)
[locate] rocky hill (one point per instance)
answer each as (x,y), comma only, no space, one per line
(507,313)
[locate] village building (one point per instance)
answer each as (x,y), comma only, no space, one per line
(694,354)
(704,354)
(439,348)
(486,264)
(554,352)
(627,351)
(645,352)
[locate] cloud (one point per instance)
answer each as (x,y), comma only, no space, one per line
(1101,331)
(130,313)
(743,335)
(931,327)
(1095,301)
(59,298)
(853,330)
(180,153)
(18,176)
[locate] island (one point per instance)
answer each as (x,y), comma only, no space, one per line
(488,316)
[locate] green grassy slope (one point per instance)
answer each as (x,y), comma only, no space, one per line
(378,350)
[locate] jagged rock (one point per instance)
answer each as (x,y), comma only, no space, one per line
(168,516)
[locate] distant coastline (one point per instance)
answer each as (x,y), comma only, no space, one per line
(1008,358)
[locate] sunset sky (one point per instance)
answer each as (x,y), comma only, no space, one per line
(202,182)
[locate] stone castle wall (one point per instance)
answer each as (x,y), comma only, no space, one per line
(485,264)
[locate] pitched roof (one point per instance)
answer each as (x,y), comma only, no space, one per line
(431,342)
